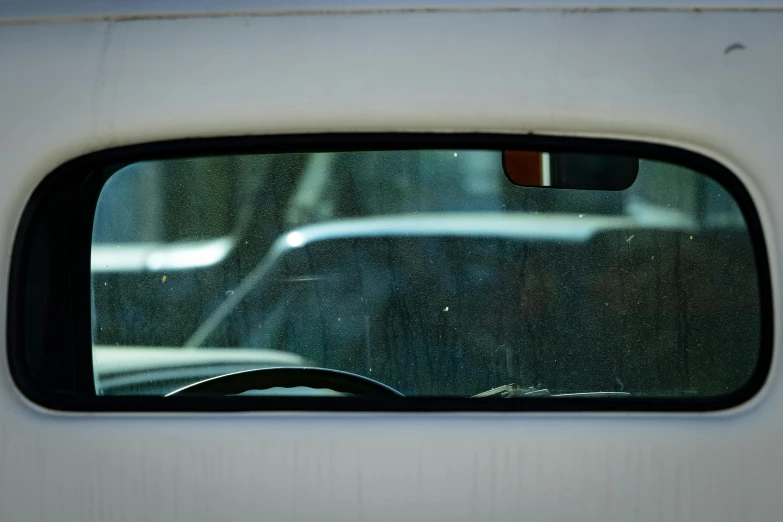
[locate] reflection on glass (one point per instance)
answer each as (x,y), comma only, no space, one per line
(427,271)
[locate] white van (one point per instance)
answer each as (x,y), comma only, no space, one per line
(443,260)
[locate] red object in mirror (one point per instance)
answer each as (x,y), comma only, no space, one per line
(524,168)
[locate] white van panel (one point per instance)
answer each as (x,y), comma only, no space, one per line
(38,11)
(666,77)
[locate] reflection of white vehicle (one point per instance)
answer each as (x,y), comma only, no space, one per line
(329,292)
(157,370)
(523,227)
(141,257)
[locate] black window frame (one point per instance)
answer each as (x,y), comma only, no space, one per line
(64,204)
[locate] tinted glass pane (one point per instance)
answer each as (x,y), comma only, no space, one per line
(427,271)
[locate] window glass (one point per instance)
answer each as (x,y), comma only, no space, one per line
(426,271)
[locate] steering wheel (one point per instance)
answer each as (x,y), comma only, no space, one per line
(287,377)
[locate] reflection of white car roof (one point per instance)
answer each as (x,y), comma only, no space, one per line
(137,257)
(544,227)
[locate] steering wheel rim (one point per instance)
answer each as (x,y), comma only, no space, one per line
(287,377)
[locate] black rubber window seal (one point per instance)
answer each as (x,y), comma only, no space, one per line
(84,177)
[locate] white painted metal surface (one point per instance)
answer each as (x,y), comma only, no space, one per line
(36,11)
(661,76)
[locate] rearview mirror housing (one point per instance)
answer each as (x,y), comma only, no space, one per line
(570,171)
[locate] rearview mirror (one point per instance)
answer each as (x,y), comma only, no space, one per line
(569,171)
